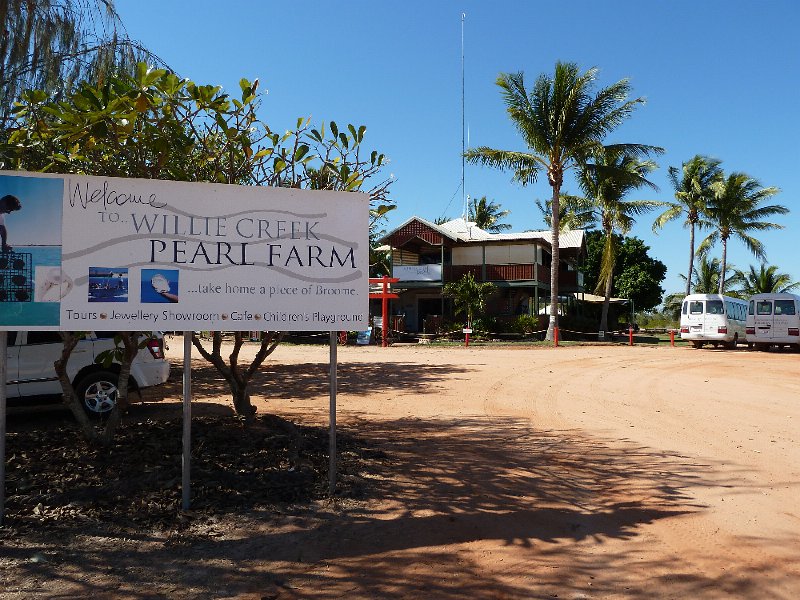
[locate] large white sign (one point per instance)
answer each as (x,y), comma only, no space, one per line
(101,253)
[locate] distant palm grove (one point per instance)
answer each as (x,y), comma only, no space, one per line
(563,122)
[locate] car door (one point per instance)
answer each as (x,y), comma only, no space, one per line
(37,353)
(763,321)
(696,316)
(12,362)
(783,318)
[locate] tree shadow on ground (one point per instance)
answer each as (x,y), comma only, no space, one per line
(283,381)
(540,498)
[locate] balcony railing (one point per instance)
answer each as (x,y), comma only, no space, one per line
(518,272)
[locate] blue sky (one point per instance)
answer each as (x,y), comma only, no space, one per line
(720,78)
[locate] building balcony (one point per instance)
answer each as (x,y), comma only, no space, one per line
(432,273)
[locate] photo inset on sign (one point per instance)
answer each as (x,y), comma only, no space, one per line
(51,284)
(30,228)
(160,285)
(108,284)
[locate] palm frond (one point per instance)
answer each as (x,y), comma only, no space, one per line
(522,163)
(674,211)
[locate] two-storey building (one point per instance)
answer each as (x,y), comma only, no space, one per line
(426,256)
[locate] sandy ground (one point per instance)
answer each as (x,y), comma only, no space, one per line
(577,472)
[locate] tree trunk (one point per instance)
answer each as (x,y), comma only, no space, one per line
(554,251)
(691,259)
(241,400)
(606,302)
(723,265)
(130,342)
(71,401)
(238,379)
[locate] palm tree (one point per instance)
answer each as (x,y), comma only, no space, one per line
(672,306)
(560,122)
(692,185)
(736,210)
(705,277)
(610,176)
(469,296)
(766,280)
(486,215)
(575,212)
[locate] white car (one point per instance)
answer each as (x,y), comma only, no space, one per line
(32,377)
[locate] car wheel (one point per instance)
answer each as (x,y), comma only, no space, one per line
(97,392)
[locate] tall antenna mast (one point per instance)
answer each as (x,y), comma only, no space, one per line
(463,146)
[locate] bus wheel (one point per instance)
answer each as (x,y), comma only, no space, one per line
(697,345)
(762,347)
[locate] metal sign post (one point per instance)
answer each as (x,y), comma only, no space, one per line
(187,420)
(3,374)
(333,340)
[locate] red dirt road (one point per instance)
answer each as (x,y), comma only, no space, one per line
(578,472)
(598,472)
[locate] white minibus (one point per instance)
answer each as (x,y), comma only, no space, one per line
(773,319)
(713,319)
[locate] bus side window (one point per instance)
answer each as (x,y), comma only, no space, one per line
(685,304)
(751,309)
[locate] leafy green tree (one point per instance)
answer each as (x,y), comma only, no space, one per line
(765,280)
(487,215)
(560,120)
(736,210)
(606,180)
(154,125)
(637,275)
(672,306)
(469,296)
(692,185)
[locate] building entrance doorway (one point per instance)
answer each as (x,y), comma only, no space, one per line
(429,314)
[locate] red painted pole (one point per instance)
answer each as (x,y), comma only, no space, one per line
(385,309)
(672,337)
(555,336)
(466,340)
(630,336)
(385,295)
